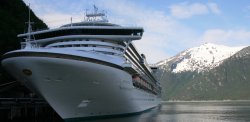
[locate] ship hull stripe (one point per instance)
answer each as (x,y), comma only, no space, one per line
(61,56)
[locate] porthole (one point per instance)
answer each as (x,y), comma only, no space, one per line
(27,72)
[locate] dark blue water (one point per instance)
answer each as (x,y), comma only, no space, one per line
(230,111)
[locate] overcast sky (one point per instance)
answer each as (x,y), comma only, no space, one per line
(170,26)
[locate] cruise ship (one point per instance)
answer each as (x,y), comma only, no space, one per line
(86,69)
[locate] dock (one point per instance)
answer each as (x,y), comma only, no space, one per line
(27,109)
(16,105)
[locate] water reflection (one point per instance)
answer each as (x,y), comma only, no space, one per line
(236,111)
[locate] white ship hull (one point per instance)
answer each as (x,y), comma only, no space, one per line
(77,89)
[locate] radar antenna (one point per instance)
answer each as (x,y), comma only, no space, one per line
(96,16)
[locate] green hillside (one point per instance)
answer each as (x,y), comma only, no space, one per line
(14,14)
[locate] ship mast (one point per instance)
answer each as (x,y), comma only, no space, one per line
(28,39)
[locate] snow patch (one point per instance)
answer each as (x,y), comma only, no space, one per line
(202,58)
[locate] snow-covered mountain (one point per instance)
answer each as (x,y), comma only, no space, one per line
(207,72)
(202,58)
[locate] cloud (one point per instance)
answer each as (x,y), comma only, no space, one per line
(214,8)
(187,10)
(52,14)
(246,11)
(227,37)
(57,19)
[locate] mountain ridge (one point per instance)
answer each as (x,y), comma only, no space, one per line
(227,81)
(206,56)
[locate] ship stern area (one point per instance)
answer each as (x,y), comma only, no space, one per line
(78,86)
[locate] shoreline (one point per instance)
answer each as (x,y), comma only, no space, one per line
(175,101)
